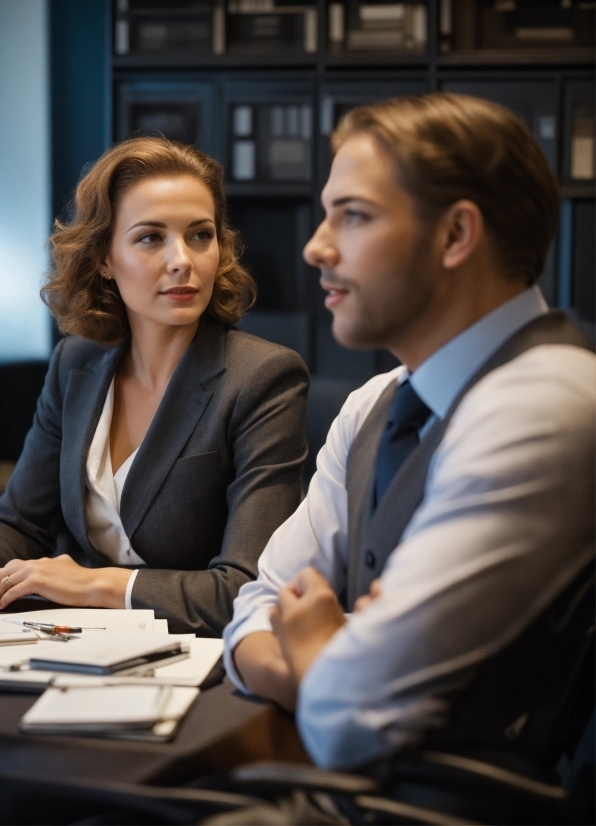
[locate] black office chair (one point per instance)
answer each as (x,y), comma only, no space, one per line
(20,386)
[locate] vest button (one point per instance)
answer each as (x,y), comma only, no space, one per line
(370,560)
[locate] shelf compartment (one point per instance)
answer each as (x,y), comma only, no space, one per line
(358,27)
(182,110)
(510,27)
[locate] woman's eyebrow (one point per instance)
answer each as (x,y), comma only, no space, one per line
(161,225)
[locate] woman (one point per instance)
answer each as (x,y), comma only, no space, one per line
(165,440)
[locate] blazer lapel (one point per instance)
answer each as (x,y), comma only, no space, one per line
(177,416)
(84,399)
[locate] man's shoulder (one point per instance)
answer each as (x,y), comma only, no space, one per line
(556,372)
(550,388)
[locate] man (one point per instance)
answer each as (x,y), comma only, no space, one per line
(448,513)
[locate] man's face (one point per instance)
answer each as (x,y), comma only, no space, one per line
(376,258)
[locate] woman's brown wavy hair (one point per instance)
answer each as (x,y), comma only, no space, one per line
(87,305)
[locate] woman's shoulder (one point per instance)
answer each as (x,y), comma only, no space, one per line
(74,353)
(249,352)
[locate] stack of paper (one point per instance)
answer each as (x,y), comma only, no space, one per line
(16,674)
(127,678)
(141,711)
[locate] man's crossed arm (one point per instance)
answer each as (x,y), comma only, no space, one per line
(308,614)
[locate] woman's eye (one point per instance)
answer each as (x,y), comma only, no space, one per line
(149,238)
(203,235)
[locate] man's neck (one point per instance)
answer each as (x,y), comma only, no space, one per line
(449,314)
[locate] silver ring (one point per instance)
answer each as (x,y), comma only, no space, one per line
(7,581)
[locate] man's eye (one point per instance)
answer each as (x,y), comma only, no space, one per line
(353,216)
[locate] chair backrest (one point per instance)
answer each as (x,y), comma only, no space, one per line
(325,399)
(535,697)
(20,386)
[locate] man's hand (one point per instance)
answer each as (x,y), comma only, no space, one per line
(374,592)
(264,670)
(306,617)
(60,579)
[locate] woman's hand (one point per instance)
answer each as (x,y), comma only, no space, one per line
(62,580)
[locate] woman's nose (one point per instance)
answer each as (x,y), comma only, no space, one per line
(320,251)
(178,256)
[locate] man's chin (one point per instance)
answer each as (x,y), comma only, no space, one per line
(353,337)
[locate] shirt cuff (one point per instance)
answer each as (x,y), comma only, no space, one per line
(128,594)
(259,621)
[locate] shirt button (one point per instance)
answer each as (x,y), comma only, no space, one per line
(370,560)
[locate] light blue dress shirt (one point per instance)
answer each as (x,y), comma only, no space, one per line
(504,526)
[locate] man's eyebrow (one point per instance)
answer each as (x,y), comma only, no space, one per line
(161,225)
(347,198)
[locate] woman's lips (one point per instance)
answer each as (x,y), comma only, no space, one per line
(180,294)
(334,298)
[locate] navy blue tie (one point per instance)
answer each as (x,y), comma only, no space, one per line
(407,415)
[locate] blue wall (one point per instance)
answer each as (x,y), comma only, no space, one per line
(24,178)
(80,86)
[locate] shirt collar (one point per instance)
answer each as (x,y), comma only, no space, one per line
(439,379)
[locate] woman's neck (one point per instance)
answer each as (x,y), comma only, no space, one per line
(155,352)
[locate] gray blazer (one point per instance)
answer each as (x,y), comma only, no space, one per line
(218,471)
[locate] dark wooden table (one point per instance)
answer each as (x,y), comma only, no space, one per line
(222,729)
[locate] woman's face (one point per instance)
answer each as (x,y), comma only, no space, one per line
(164,252)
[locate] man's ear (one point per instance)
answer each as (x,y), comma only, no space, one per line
(463,228)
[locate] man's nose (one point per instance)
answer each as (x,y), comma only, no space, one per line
(320,251)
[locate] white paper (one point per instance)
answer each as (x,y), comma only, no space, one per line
(118,705)
(114,619)
(204,653)
(160,626)
(17,637)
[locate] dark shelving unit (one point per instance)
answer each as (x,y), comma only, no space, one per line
(274,191)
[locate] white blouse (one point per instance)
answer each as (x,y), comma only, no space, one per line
(103,494)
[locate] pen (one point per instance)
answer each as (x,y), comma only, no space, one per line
(56,630)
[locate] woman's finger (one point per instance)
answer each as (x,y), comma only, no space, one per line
(8,580)
(20,589)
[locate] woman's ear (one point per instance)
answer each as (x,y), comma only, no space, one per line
(104,268)
(464,227)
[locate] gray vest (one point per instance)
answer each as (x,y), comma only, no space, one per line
(373,535)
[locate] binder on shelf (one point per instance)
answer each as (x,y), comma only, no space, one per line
(582,144)
(260,26)
(271,142)
(377,26)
